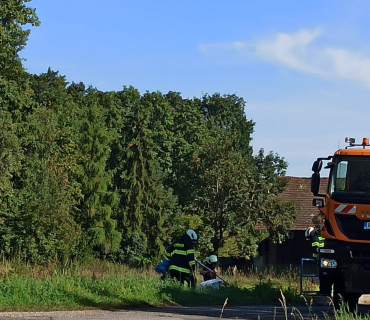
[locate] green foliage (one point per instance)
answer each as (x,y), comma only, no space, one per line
(231,191)
(96,207)
(277,215)
(14,87)
(46,191)
(14,14)
(118,175)
(10,164)
(148,206)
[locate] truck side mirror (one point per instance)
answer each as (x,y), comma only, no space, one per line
(315,183)
(317,165)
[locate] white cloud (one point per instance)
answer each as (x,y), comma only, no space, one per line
(299,52)
(350,65)
(290,49)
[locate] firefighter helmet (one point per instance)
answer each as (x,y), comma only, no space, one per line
(308,232)
(193,236)
(212,259)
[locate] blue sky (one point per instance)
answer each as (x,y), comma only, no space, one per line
(303,67)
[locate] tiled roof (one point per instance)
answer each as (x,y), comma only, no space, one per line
(299,191)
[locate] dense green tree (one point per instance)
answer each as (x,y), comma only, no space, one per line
(221,202)
(96,207)
(118,106)
(14,85)
(10,164)
(142,160)
(227,112)
(233,190)
(276,214)
(46,229)
(44,183)
(14,15)
(190,135)
(163,212)
(15,96)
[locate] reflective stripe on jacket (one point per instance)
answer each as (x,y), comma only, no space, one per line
(181,255)
(318,242)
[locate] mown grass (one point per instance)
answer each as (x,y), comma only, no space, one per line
(102,285)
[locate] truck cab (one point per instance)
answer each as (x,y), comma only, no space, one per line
(345,215)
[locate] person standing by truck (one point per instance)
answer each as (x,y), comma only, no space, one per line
(317,242)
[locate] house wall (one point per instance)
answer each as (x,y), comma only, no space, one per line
(287,253)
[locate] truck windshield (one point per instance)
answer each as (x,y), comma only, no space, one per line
(350,179)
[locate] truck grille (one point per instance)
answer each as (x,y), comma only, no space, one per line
(352,227)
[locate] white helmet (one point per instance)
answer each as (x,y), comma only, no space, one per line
(212,259)
(193,236)
(308,232)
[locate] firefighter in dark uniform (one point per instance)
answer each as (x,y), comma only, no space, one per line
(181,255)
(317,242)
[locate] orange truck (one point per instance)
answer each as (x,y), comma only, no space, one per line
(345,216)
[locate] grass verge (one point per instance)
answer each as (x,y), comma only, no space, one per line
(103,285)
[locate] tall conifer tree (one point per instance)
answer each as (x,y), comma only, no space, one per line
(98,198)
(142,159)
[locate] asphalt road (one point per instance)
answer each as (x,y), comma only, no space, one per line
(184,313)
